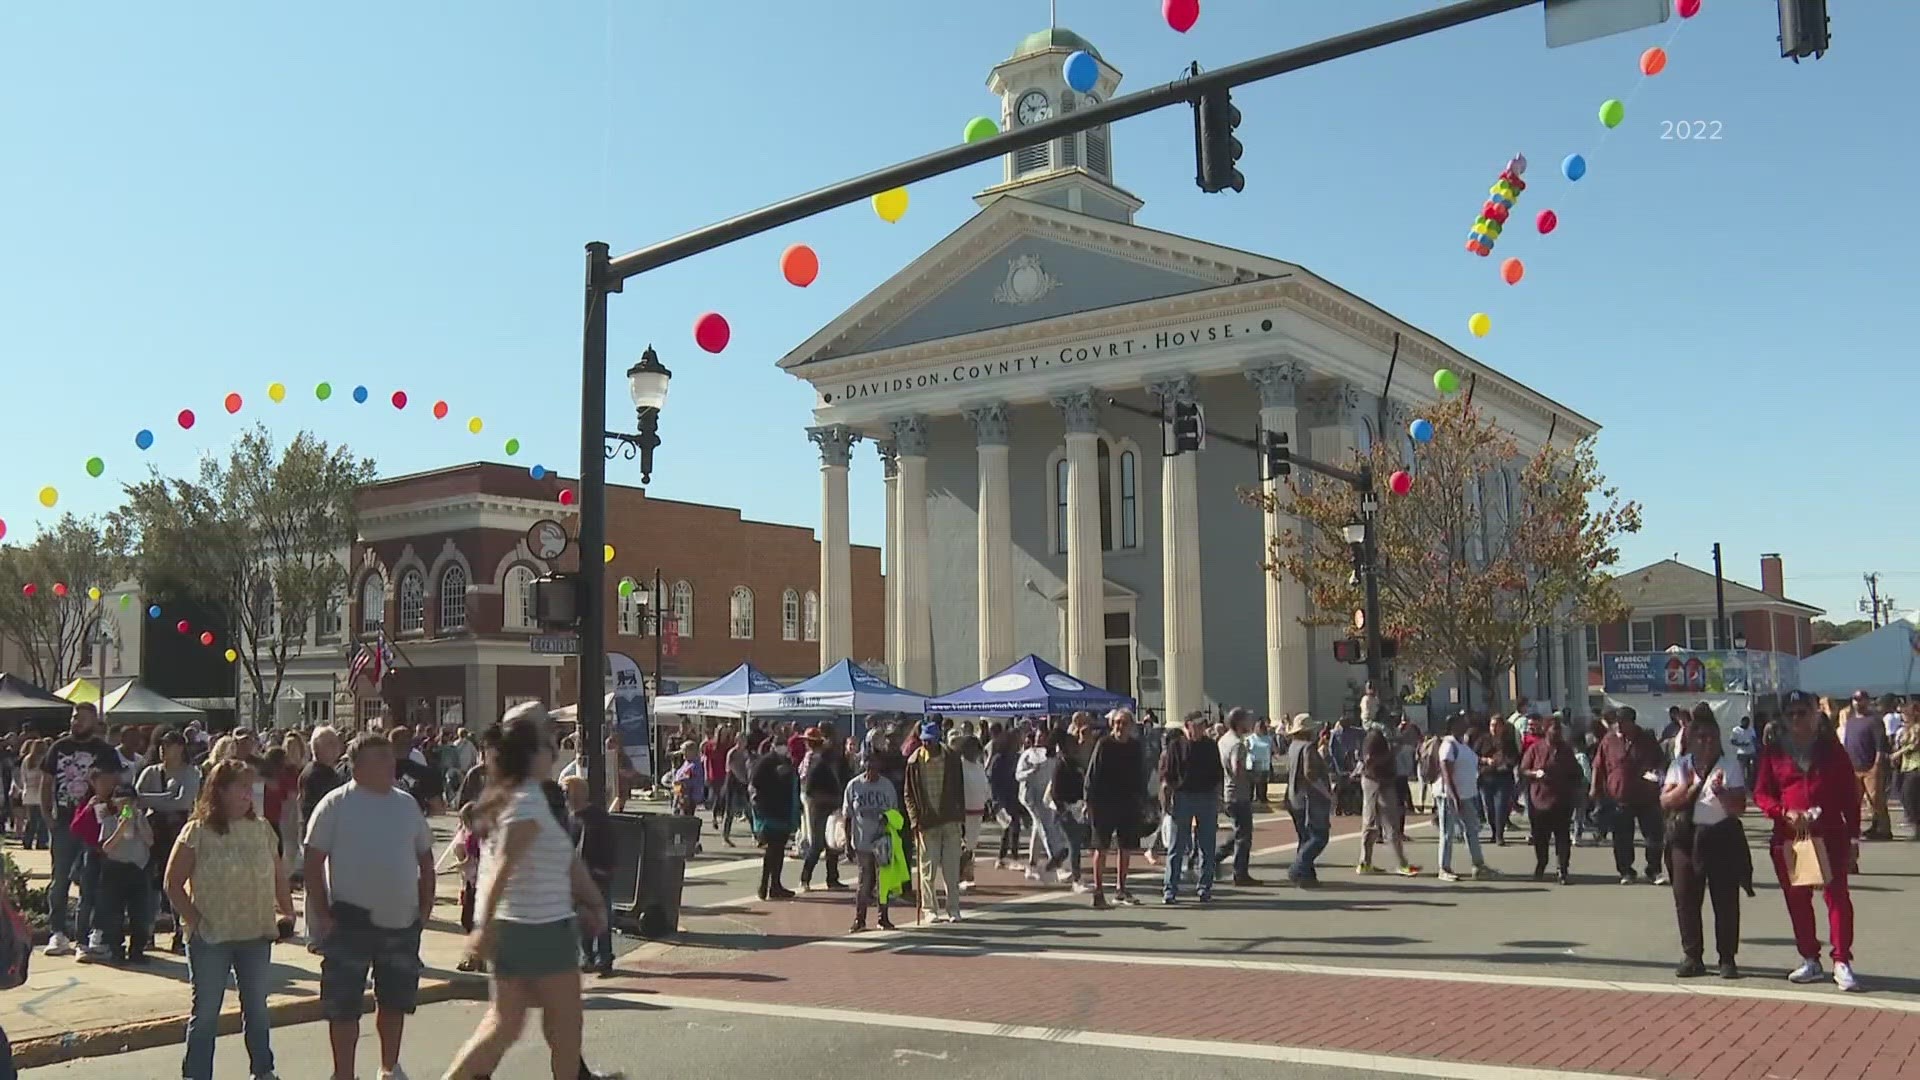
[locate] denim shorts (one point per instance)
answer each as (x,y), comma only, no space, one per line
(346,957)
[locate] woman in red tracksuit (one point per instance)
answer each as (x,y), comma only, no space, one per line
(1805,770)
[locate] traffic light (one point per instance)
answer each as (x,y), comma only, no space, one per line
(1279,455)
(1350,650)
(1214,121)
(1189,428)
(1389,648)
(1803,28)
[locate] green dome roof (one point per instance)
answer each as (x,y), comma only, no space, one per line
(1058,37)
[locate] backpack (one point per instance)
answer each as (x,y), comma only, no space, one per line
(16,944)
(1430,761)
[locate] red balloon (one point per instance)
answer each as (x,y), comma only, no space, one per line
(186,418)
(1547,221)
(799,265)
(1400,482)
(233,403)
(399,399)
(1181,14)
(711,332)
(1689,8)
(183,626)
(439,410)
(59,588)
(29,589)
(566,496)
(206,638)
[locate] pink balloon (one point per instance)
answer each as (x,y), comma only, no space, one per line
(1181,14)
(1548,221)
(1689,8)
(711,332)
(1400,482)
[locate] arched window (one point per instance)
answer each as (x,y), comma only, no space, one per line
(1129,500)
(790,615)
(518,598)
(263,610)
(1365,437)
(413,601)
(1103,458)
(810,616)
(453,598)
(373,604)
(683,608)
(740,613)
(629,621)
(1060,506)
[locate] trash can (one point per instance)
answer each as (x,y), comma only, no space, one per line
(651,869)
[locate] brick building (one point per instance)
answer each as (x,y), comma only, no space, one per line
(443,567)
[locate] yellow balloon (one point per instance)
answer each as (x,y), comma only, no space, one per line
(277,391)
(49,496)
(474,425)
(609,552)
(232,656)
(93,593)
(891,205)
(1479,325)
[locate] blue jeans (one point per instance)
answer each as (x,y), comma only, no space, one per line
(1195,814)
(1242,843)
(69,869)
(207,967)
(598,950)
(1464,815)
(1496,791)
(6,1059)
(34,836)
(1313,825)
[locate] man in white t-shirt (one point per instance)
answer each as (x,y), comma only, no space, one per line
(1457,799)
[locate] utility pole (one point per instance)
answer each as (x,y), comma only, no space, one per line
(1719,603)
(1871,603)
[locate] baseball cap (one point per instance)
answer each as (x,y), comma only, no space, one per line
(930,731)
(1798,699)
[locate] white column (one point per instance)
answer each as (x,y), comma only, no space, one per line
(1288,640)
(890,473)
(1557,656)
(996,640)
(916,626)
(1086,571)
(1182,628)
(836,558)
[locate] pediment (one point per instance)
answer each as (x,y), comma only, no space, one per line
(1017,262)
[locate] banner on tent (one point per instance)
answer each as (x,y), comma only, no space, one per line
(630,711)
(1734,671)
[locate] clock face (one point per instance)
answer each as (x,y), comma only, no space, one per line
(1033,108)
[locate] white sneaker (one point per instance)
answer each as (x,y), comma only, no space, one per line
(265,1076)
(395,1073)
(58,944)
(1080,888)
(966,886)
(1808,972)
(937,918)
(1063,875)
(1448,875)
(1032,874)
(1843,977)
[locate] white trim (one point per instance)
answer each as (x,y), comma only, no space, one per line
(456,513)
(449,553)
(733,622)
(790,627)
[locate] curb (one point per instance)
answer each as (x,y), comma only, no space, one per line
(172,1030)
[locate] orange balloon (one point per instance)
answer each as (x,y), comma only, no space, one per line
(1653,61)
(799,265)
(1512,270)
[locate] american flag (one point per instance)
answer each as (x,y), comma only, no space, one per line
(372,661)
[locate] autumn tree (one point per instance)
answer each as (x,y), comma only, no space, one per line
(1487,547)
(259,540)
(53,622)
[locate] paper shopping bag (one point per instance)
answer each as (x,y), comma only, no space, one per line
(1807,863)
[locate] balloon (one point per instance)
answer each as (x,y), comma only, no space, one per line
(153,612)
(1180,14)
(891,205)
(1689,8)
(143,439)
(1653,61)
(513,447)
(232,656)
(359,395)
(95,466)
(276,392)
(609,553)
(1547,221)
(799,265)
(126,599)
(206,637)
(29,589)
(1612,111)
(1446,381)
(48,496)
(59,588)
(1479,324)
(183,626)
(185,419)
(439,410)
(627,586)
(979,128)
(538,472)
(93,593)
(1574,167)
(1421,430)
(566,496)
(1512,270)
(1082,71)
(323,391)
(3,530)
(399,399)
(232,403)
(711,332)
(1400,482)
(475,424)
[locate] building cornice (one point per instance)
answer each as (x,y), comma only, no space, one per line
(454,513)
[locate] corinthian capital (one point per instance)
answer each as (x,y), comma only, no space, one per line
(909,435)
(1079,410)
(889,459)
(1279,383)
(1177,390)
(990,424)
(835,442)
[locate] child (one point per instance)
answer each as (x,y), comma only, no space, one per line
(118,842)
(464,853)
(869,797)
(689,781)
(593,841)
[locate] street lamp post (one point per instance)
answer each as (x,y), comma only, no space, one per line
(1360,537)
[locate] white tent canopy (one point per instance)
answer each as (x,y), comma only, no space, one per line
(844,688)
(1886,661)
(134,703)
(729,695)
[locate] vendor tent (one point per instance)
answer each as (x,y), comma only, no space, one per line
(842,689)
(729,695)
(135,704)
(22,701)
(1030,687)
(86,691)
(1886,661)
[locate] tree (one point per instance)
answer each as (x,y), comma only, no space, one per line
(1846,631)
(54,631)
(1481,553)
(257,540)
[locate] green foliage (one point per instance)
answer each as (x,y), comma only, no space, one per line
(52,631)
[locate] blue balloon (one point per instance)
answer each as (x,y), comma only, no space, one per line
(1575,166)
(1082,71)
(360,395)
(538,472)
(144,440)
(153,612)
(1421,430)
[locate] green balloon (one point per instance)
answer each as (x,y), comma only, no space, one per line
(95,466)
(979,128)
(513,447)
(126,599)
(1446,381)
(323,391)
(1612,111)
(626,586)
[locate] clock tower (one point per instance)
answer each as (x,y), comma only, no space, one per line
(1074,173)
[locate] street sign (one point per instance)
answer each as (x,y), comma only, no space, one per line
(556,645)
(1570,22)
(1359,618)
(547,539)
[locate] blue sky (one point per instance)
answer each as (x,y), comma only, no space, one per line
(209,198)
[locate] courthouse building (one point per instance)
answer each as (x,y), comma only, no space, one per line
(1025,514)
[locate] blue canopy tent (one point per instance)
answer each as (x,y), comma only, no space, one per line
(729,695)
(845,689)
(1031,687)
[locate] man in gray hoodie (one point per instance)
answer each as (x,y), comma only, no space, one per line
(869,796)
